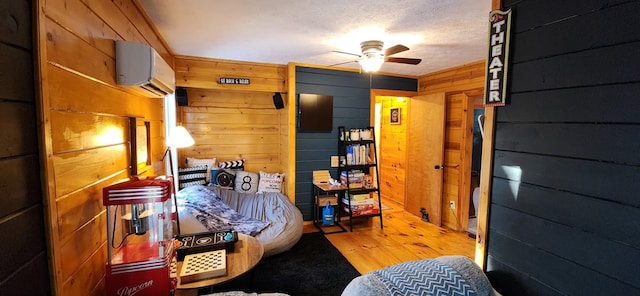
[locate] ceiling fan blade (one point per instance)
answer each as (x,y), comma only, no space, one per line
(344,52)
(338,64)
(409,61)
(395,49)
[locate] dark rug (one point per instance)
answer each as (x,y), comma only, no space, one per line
(312,267)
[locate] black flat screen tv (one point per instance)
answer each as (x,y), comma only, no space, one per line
(315,113)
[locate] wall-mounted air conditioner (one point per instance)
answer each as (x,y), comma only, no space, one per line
(140,66)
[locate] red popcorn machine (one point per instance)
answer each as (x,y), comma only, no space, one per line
(139,237)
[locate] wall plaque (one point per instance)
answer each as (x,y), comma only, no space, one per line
(495,88)
(228,80)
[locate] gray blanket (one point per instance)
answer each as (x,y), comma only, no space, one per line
(214,214)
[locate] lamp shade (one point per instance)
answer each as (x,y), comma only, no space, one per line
(180,138)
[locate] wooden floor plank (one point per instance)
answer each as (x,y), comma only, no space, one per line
(404,238)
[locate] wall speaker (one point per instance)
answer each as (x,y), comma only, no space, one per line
(181,95)
(277,101)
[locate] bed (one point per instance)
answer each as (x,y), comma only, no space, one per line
(270,217)
(445,275)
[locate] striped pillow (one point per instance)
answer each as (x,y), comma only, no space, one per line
(192,176)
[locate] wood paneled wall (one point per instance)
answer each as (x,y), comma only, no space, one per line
(84,130)
(454,80)
(230,125)
(564,201)
(229,121)
(460,85)
(393,149)
(24,268)
(204,73)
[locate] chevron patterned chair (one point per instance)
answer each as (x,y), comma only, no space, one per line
(446,275)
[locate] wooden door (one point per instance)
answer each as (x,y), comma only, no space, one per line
(425,156)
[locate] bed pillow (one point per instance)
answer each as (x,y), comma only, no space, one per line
(232,165)
(223,178)
(213,173)
(192,176)
(209,162)
(246,182)
(270,182)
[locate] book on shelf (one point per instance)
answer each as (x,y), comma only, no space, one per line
(357,196)
(368,201)
(355,178)
(361,210)
(358,154)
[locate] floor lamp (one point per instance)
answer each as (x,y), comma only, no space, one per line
(179,138)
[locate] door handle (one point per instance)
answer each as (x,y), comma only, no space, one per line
(438,167)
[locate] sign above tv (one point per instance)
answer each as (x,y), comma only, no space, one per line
(228,80)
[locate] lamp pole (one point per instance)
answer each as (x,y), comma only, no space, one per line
(173,187)
(179,138)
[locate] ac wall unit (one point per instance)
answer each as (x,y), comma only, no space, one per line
(141,67)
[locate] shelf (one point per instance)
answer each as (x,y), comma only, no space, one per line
(362,215)
(347,150)
(323,192)
(362,190)
(352,142)
(357,166)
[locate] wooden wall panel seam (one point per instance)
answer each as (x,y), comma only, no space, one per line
(26,265)
(571,209)
(623,265)
(18,213)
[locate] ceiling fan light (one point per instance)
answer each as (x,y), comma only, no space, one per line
(371,62)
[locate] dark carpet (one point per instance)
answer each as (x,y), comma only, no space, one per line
(312,267)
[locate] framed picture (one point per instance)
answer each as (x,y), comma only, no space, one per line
(140,147)
(394,115)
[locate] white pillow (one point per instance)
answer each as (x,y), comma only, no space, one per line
(270,182)
(209,162)
(246,182)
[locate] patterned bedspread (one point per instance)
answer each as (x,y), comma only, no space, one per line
(444,275)
(425,277)
(214,214)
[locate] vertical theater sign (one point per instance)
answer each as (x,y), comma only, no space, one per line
(498,58)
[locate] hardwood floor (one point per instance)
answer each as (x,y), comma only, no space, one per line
(404,237)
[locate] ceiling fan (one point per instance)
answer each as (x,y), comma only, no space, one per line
(373,55)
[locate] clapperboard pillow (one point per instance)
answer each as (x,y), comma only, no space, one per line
(232,165)
(246,182)
(192,176)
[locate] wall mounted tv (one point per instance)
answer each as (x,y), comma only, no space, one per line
(315,113)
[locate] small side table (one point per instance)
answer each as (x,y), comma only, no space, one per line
(320,189)
(247,253)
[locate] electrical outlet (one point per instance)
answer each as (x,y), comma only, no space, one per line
(452,204)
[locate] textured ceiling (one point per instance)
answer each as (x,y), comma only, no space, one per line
(443,33)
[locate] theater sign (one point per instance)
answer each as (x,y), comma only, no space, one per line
(498,59)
